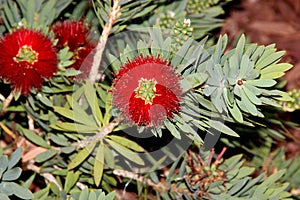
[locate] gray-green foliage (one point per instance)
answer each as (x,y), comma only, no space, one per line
(200,176)
(218,84)
(242,80)
(30,13)
(167,15)
(9,176)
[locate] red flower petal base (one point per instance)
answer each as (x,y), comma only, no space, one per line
(147,91)
(26,57)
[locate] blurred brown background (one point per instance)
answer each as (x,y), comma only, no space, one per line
(267,22)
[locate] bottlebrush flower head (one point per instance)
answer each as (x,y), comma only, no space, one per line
(75,35)
(147,91)
(26,57)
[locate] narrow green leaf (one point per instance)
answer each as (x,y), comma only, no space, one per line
(274,177)
(68,150)
(142,48)
(245,66)
(109,157)
(127,143)
(42,194)
(99,164)
(54,188)
(72,127)
(273,75)
(236,113)
(144,11)
(154,177)
(4,196)
(60,140)
(33,137)
(30,12)
(240,47)
(64,112)
(114,62)
(3,162)
(90,94)
(268,60)
(222,128)
(262,82)
(108,107)
(127,153)
(45,155)
(21,192)
(82,155)
(245,171)
(29,181)
(251,108)
(281,67)
(172,128)
(44,100)
(49,5)
(71,180)
(238,186)
(252,97)
(84,194)
(12,174)
(110,196)
(81,116)
(14,158)
(9,14)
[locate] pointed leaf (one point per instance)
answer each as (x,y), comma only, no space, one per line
(252,97)
(12,174)
(15,158)
(262,82)
(222,128)
(82,155)
(127,153)
(91,97)
(127,143)
(99,164)
(33,137)
(21,192)
(45,155)
(71,180)
(172,128)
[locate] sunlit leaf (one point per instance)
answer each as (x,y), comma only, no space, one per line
(99,163)
(82,155)
(222,128)
(127,153)
(71,180)
(126,142)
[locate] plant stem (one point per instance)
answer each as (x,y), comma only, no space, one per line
(6,103)
(115,12)
(160,187)
(48,176)
(101,133)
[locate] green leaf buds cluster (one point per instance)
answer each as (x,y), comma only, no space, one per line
(166,21)
(241,80)
(181,33)
(197,6)
(294,103)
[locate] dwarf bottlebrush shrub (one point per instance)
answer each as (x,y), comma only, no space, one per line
(90,135)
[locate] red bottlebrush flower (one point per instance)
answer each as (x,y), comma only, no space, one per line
(26,57)
(147,91)
(76,36)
